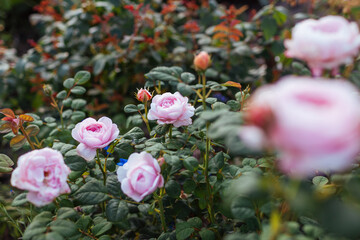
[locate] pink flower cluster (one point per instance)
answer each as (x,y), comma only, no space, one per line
(314,124)
(43,173)
(171,108)
(140,176)
(325,43)
(94,134)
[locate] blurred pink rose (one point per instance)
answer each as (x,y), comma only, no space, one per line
(313,124)
(94,134)
(140,176)
(325,43)
(43,173)
(171,108)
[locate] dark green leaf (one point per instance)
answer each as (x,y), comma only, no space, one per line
(93,192)
(74,161)
(78,103)
(78,90)
(173,188)
(116,210)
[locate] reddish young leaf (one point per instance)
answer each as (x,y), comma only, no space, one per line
(7,112)
(17,141)
(232,84)
(26,118)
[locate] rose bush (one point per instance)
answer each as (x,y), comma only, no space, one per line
(200,181)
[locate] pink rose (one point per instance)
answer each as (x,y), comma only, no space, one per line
(324,43)
(171,108)
(313,124)
(140,176)
(43,173)
(94,134)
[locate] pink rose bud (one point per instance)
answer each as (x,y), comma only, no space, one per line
(161,161)
(315,124)
(171,108)
(94,134)
(202,61)
(143,95)
(140,176)
(43,173)
(325,43)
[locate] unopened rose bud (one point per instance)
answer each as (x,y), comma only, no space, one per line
(202,61)
(143,95)
(47,89)
(161,161)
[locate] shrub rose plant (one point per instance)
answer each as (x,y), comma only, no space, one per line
(242,145)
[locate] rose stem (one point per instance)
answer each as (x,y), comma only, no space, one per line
(161,206)
(99,163)
(206,157)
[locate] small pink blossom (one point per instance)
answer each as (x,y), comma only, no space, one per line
(171,108)
(325,43)
(94,134)
(143,95)
(313,124)
(43,173)
(140,176)
(202,61)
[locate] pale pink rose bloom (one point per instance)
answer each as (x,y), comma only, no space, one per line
(43,173)
(313,124)
(140,176)
(171,108)
(325,43)
(94,134)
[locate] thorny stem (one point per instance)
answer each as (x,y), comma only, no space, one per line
(204,91)
(146,119)
(27,136)
(206,174)
(161,206)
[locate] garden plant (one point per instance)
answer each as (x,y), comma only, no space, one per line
(182,119)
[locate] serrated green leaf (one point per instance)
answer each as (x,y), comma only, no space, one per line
(19,200)
(74,161)
(320,181)
(130,108)
(173,188)
(65,228)
(92,192)
(116,210)
(101,228)
(191,164)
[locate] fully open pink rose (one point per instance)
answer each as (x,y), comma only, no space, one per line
(313,124)
(43,173)
(325,43)
(171,108)
(140,176)
(94,134)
